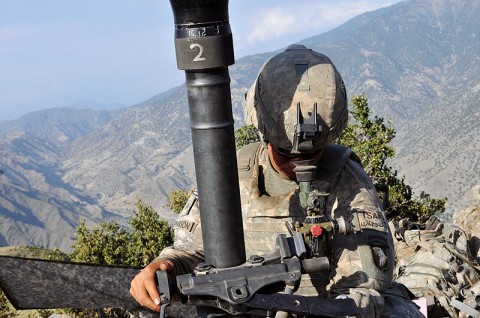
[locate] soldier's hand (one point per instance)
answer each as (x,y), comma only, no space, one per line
(143,287)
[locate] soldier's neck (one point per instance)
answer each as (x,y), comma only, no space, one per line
(284,165)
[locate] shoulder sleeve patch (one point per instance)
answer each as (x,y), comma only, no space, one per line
(371,220)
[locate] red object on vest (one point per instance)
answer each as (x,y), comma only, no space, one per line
(316,230)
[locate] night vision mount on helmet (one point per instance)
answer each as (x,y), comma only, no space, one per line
(298,101)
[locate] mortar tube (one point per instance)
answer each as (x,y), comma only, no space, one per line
(214,153)
(204,49)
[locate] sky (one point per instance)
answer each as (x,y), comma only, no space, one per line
(112,53)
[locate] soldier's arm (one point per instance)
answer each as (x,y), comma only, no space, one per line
(187,249)
(181,258)
(363,261)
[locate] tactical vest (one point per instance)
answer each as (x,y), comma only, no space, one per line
(264,216)
(263,210)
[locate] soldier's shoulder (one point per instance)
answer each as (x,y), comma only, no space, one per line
(469,221)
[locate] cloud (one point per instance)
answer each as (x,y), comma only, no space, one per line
(274,23)
(304,17)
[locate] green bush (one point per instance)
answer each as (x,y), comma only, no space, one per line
(177,200)
(245,135)
(109,243)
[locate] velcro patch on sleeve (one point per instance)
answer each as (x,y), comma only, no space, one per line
(371,220)
(188,226)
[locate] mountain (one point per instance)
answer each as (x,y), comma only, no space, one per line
(142,153)
(60,126)
(36,206)
(90,104)
(417,62)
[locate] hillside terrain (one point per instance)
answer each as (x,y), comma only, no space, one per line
(418,63)
(36,206)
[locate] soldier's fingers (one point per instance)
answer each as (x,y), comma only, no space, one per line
(143,287)
(151,297)
(138,290)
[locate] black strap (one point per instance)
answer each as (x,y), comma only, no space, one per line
(331,164)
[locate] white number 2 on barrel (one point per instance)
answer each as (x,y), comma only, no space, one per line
(198,57)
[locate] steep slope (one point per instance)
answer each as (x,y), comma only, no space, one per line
(36,207)
(413,60)
(406,56)
(135,155)
(146,152)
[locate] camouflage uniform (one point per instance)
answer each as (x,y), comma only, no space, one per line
(362,263)
(439,264)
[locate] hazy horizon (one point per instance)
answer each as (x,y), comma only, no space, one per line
(120,53)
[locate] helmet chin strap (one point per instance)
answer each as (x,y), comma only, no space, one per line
(306,130)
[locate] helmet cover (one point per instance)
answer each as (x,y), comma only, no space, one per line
(298,102)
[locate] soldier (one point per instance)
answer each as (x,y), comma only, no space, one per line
(299,105)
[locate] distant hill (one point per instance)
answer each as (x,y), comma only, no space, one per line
(417,61)
(60,126)
(36,206)
(142,153)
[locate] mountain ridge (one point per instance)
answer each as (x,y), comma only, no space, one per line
(36,206)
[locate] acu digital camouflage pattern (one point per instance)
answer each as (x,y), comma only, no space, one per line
(362,263)
(441,264)
(297,75)
(469,221)
(41,284)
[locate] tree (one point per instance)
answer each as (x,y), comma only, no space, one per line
(369,138)
(177,200)
(110,243)
(149,236)
(245,135)
(106,243)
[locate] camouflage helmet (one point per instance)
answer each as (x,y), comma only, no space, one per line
(291,87)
